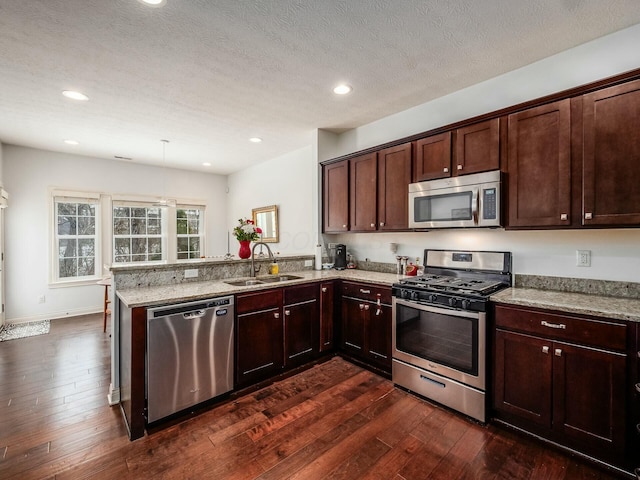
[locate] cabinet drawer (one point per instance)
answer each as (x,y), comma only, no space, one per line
(301,293)
(595,333)
(366,291)
(253,302)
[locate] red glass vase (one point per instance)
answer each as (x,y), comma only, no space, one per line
(245,249)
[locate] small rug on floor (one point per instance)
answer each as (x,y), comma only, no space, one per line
(21,330)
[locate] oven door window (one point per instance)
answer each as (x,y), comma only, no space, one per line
(444,339)
(445,207)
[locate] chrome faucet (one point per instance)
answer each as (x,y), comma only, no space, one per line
(254,270)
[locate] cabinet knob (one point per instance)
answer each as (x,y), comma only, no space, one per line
(366,307)
(276,315)
(373,225)
(459,167)
(445,169)
(638,387)
(563,216)
(545,349)
(382,224)
(287,312)
(361,306)
(324,289)
(588,216)
(344,226)
(558,352)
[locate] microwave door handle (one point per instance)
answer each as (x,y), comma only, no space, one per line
(474,205)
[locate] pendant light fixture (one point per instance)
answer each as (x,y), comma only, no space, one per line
(164,201)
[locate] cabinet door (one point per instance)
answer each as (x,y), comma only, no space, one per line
(589,399)
(477,148)
(378,334)
(432,157)
(327,299)
(258,346)
(353,326)
(612,156)
(539,164)
(522,380)
(300,332)
(335,197)
(394,177)
(363,172)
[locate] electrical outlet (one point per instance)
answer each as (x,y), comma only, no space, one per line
(583,258)
(41,299)
(191,273)
(332,245)
(308,263)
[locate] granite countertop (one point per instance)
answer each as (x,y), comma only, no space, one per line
(580,303)
(185,292)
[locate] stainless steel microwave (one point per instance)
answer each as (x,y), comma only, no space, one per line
(456,202)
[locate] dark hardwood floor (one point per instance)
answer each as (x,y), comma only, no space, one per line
(333,421)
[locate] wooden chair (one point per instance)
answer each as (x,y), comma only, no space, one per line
(106,310)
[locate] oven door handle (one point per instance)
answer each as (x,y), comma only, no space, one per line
(436,309)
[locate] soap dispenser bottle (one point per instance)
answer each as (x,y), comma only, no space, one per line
(274,269)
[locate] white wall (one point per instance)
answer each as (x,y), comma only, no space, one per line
(288,182)
(28,175)
(615,253)
(595,60)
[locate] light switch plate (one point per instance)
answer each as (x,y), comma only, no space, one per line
(583,258)
(191,273)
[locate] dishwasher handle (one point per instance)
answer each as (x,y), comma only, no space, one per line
(192,315)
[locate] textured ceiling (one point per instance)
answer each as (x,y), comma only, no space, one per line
(207,75)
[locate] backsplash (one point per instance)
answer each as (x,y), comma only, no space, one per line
(132,276)
(608,288)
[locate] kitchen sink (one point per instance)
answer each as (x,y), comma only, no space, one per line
(244,283)
(278,278)
(257,281)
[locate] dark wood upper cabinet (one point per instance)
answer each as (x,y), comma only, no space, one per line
(539,166)
(363,193)
(477,148)
(432,157)
(336,197)
(611,171)
(394,177)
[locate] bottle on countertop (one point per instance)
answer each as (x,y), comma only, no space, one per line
(274,269)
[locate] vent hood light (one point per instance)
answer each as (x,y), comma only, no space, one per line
(342,89)
(72,142)
(255,139)
(206,164)
(75,95)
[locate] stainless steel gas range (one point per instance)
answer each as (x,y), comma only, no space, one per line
(440,327)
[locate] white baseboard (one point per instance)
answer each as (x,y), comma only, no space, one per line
(54,315)
(113,396)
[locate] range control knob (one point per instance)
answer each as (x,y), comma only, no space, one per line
(433,297)
(452,302)
(405,293)
(464,304)
(415,295)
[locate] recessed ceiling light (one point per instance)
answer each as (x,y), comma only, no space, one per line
(75,95)
(72,142)
(342,89)
(153,3)
(255,139)
(206,164)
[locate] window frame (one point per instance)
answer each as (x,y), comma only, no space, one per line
(201,230)
(67,196)
(164,221)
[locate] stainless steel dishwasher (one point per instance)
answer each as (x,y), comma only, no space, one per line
(189,354)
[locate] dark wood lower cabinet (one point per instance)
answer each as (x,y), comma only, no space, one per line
(366,324)
(258,337)
(301,326)
(327,312)
(569,393)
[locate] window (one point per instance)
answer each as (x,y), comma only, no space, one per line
(137,233)
(76,238)
(190,232)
